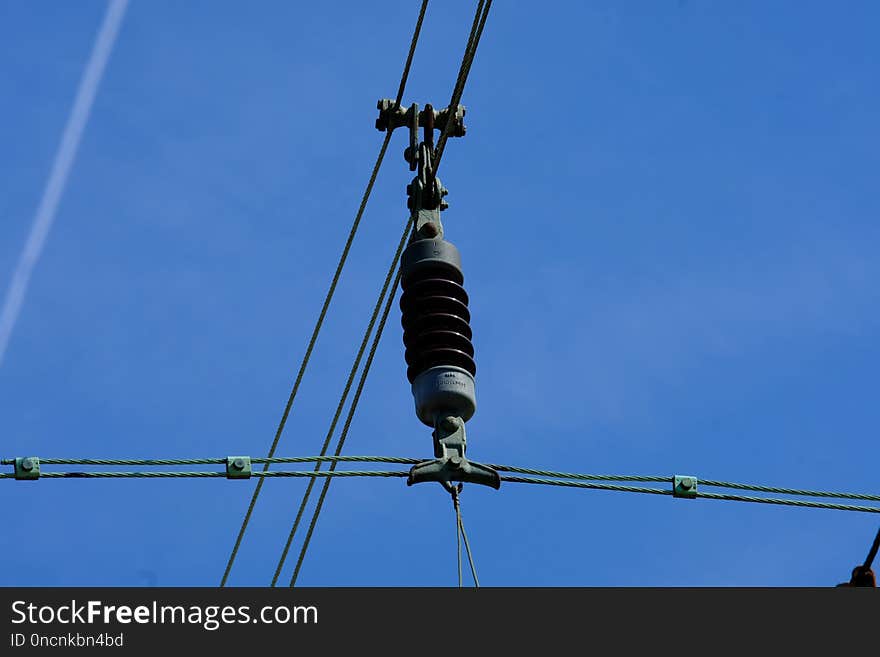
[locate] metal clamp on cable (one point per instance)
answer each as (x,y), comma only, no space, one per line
(684,486)
(238,467)
(451,463)
(27,468)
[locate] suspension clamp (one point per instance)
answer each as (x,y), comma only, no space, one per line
(27,468)
(451,463)
(393,116)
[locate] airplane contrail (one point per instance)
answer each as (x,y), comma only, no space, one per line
(64,157)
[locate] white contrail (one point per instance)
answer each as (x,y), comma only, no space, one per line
(45,215)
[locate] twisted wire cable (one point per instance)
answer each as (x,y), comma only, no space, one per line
(326,304)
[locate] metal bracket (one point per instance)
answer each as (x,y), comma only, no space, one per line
(684,486)
(425,193)
(451,463)
(392,116)
(238,467)
(27,468)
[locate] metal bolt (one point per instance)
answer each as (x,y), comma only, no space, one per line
(455,462)
(27,464)
(687,483)
(430,229)
(238,464)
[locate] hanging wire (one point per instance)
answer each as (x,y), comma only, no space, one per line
(458,548)
(467,545)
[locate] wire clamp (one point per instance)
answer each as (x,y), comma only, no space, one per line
(238,467)
(684,486)
(27,468)
(451,463)
(393,116)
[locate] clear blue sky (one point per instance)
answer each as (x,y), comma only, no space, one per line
(667,213)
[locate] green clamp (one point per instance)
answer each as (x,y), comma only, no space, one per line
(27,468)
(684,486)
(238,467)
(451,463)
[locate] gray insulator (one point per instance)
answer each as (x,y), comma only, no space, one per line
(442,391)
(431,255)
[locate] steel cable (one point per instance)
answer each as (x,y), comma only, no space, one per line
(326,304)
(348,420)
(467,60)
(341,404)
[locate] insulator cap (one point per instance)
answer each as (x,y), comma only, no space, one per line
(442,391)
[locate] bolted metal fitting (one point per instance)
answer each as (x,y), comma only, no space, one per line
(27,468)
(451,463)
(238,467)
(684,486)
(392,116)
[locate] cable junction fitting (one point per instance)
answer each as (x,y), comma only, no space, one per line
(27,468)
(435,316)
(238,467)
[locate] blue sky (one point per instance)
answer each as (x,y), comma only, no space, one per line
(667,215)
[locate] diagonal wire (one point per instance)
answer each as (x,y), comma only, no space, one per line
(412,50)
(467,546)
(348,419)
(458,548)
(455,504)
(326,305)
(480,17)
(342,400)
(306,357)
(873,551)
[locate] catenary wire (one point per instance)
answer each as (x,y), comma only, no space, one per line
(347,425)
(326,303)
(470,52)
(411,461)
(341,404)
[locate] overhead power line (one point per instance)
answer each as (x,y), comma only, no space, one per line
(344,433)
(700,495)
(326,304)
(464,70)
(470,51)
(341,404)
(543,477)
(147,474)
